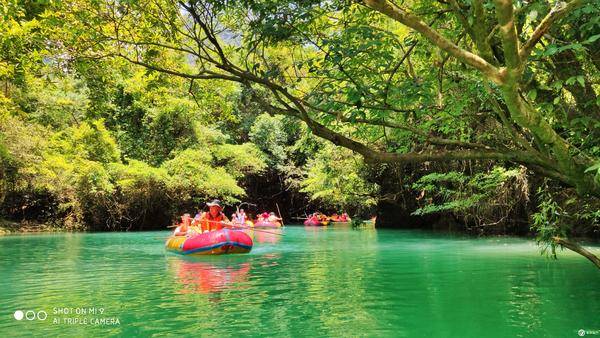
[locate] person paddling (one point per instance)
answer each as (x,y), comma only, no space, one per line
(213,219)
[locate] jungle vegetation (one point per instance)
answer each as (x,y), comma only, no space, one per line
(114,113)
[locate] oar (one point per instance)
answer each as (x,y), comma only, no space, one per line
(280,217)
(252,228)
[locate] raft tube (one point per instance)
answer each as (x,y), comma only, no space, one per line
(339,223)
(267,224)
(312,223)
(216,242)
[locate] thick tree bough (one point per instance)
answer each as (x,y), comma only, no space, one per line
(578,249)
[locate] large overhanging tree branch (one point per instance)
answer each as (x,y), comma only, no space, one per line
(390,9)
(554,157)
(508,79)
(386,157)
(216,64)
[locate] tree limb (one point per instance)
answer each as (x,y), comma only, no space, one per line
(508,34)
(560,10)
(578,249)
(391,10)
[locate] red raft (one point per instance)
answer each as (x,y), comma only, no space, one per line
(315,223)
(267,224)
(217,242)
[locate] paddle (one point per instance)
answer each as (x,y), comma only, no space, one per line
(252,228)
(279,211)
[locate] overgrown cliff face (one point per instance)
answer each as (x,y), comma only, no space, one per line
(397,200)
(471,198)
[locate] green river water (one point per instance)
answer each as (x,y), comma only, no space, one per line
(311,282)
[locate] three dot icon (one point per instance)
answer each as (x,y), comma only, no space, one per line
(30,315)
(19,315)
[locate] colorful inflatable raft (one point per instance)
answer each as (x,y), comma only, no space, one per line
(315,223)
(216,242)
(267,224)
(339,223)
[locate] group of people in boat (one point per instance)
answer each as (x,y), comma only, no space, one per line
(267,217)
(215,219)
(320,217)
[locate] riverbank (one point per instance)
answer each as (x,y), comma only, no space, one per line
(10,227)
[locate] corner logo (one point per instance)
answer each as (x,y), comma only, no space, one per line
(30,315)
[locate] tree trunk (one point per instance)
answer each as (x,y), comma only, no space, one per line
(578,249)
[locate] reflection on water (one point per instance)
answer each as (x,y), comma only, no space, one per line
(207,277)
(263,236)
(312,281)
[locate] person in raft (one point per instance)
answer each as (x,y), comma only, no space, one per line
(264,217)
(214,218)
(272,218)
(239,217)
(183,228)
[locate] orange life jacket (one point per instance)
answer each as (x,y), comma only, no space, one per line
(207,222)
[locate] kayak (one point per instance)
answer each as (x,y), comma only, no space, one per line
(310,222)
(217,242)
(267,224)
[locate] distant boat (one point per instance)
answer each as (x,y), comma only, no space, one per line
(315,223)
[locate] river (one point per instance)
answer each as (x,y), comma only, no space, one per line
(309,282)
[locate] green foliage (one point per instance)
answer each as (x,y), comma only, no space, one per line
(240,159)
(194,177)
(595,169)
(5,169)
(268,134)
(480,198)
(112,141)
(335,178)
(55,101)
(547,223)
(24,145)
(89,141)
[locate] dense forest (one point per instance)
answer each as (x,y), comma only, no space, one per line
(478,116)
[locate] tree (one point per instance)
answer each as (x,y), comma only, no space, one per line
(358,78)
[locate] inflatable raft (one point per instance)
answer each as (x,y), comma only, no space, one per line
(339,223)
(216,242)
(313,223)
(267,224)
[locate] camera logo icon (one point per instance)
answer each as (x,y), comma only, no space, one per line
(30,315)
